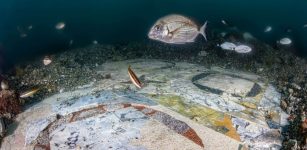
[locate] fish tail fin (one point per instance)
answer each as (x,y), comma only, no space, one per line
(202,30)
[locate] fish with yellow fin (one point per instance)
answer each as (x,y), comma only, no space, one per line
(134,79)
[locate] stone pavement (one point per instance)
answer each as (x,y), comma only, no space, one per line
(181,106)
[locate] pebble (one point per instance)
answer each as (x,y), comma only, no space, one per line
(284,119)
(283,104)
(296,86)
(290,90)
(2,127)
(294,143)
(228,46)
(202,53)
(243,49)
(47,60)
(285,41)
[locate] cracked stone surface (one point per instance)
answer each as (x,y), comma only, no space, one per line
(197,107)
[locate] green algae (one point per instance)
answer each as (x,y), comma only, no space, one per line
(216,120)
(201,114)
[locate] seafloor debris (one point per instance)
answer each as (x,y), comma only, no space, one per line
(243,49)
(285,41)
(9,104)
(4,85)
(237,48)
(47,60)
(228,46)
(2,128)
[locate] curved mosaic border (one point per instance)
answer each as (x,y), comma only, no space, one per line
(180,127)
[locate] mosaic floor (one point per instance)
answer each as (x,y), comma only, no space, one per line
(181,106)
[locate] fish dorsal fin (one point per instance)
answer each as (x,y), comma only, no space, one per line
(175,18)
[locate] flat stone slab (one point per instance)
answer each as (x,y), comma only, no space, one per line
(197,107)
(114,129)
(226,83)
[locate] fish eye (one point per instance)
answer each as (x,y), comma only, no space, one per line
(157,27)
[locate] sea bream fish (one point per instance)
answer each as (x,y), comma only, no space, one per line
(176,29)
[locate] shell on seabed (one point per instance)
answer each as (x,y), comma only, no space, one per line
(47,60)
(4,85)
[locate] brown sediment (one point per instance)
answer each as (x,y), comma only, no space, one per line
(78,113)
(148,112)
(191,134)
(139,108)
(152,112)
(126,105)
(101,107)
(39,146)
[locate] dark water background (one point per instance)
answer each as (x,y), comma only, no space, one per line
(122,21)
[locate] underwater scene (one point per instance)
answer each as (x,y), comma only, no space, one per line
(153,75)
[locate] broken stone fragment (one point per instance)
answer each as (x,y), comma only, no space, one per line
(2,127)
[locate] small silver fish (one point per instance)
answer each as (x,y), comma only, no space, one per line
(268,29)
(60,26)
(228,24)
(95,42)
(71,42)
(224,22)
(28,93)
(176,29)
(30,27)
